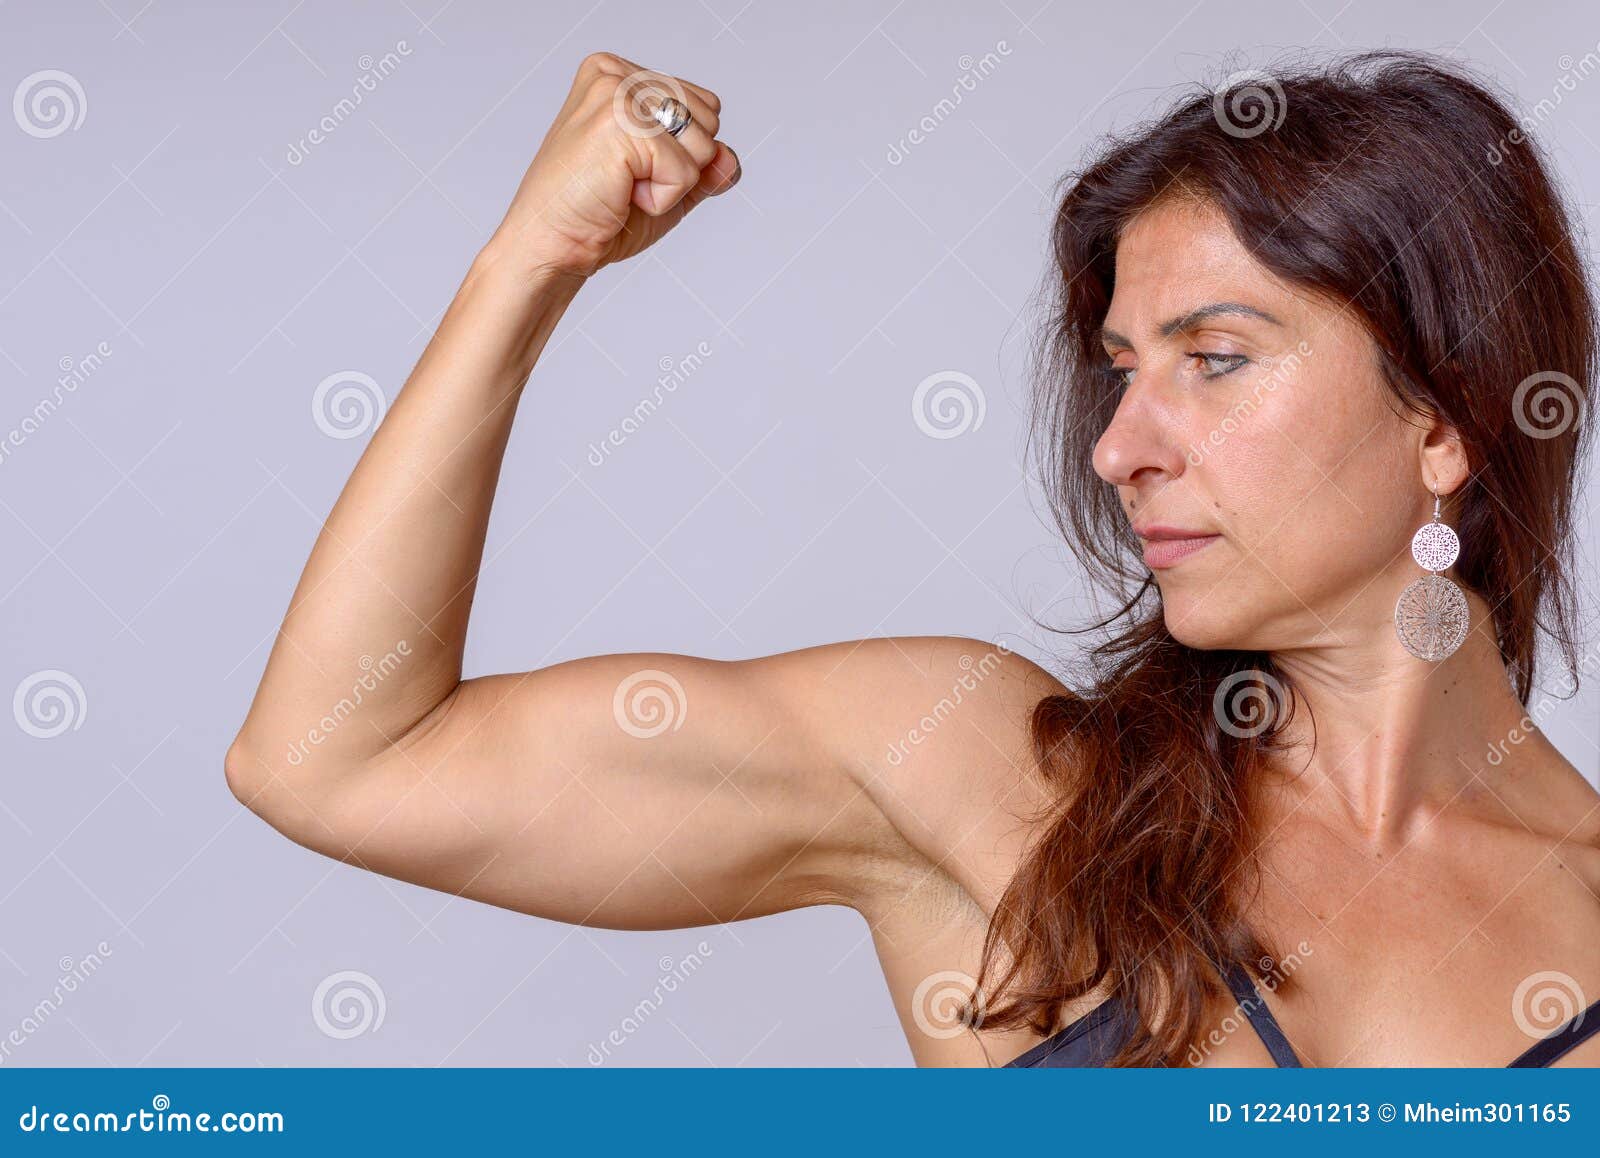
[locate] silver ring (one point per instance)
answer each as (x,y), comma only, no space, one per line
(672,115)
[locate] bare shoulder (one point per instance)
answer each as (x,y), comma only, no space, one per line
(1575,828)
(937,731)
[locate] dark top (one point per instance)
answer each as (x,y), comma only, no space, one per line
(1095,1037)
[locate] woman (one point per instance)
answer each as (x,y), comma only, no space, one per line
(1292,323)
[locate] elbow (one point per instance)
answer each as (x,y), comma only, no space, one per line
(246,772)
(258,785)
(269,788)
(292,799)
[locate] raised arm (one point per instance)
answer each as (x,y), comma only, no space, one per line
(630,790)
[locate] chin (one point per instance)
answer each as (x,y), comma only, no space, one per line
(1199,626)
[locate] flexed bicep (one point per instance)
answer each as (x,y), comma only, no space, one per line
(626,791)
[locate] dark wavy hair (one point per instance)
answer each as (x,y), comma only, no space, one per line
(1394,184)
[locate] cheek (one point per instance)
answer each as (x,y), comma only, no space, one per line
(1315,484)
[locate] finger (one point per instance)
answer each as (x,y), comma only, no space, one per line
(638,111)
(708,99)
(699,144)
(643,90)
(703,114)
(671,173)
(700,114)
(719,175)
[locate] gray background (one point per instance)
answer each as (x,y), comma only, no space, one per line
(784,496)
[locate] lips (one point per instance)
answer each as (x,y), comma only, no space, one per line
(1167,546)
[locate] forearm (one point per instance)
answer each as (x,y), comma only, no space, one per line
(586,790)
(379,618)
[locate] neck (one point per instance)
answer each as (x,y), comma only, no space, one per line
(1398,739)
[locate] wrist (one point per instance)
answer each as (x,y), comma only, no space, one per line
(513,262)
(504,285)
(506,310)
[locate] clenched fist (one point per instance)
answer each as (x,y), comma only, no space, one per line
(609,180)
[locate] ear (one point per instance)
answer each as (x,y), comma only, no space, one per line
(1443,458)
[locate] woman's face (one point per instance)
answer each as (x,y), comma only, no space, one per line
(1257,414)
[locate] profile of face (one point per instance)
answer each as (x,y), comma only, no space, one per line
(1258,413)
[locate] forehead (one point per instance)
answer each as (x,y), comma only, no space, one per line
(1180,254)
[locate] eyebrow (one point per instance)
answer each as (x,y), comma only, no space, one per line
(1193,318)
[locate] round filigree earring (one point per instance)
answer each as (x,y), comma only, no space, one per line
(1431,615)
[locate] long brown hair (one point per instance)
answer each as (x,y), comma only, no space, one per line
(1397,185)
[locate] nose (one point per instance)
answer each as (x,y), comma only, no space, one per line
(1141,443)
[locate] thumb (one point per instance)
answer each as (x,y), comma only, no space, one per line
(720,174)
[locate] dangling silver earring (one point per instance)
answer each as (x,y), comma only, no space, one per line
(1431,616)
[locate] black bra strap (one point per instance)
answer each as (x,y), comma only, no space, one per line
(1571,1035)
(1266,1026)
(1543,1052)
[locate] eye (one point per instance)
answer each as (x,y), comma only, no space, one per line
(1216,365)
(1122,375)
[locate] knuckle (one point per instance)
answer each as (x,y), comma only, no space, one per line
(600,88)
(596,62)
